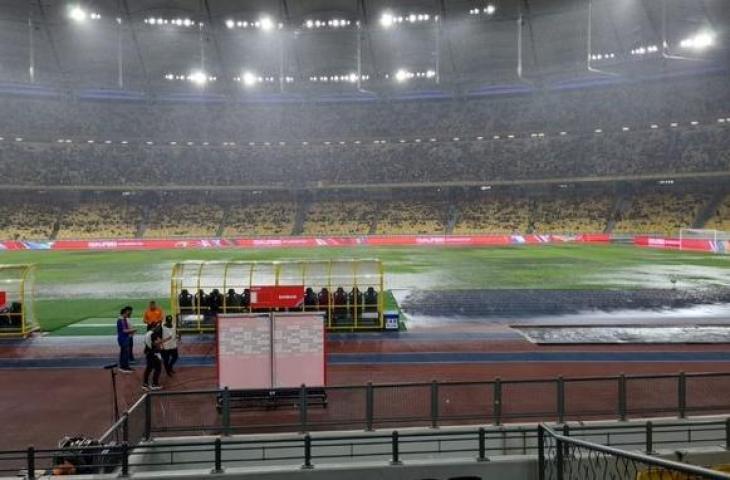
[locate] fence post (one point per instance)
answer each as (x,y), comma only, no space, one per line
(434,404)
(303,408)
(727,433)
(369,397)
(541,452)
(125,459)
(31,462)
(125,427)
(559,458)
(395,460)
(482,457)
(147,416)
(218,458)
(622,397)
(226,405)
(566,433)
(497,401)
(307,452)
(561,399)
(682,392)
(649,438)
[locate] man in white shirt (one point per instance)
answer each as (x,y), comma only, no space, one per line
(170,339)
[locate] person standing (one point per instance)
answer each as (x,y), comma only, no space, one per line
(152,351)
(169,345)
(153,316)
(125,332)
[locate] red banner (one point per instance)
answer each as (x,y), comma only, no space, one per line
(279,296)
(304,242)
(3,299)
(690,244)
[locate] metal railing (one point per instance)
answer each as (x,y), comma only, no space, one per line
(308,450)
(435,404)
(566,458)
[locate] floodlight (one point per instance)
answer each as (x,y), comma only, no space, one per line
(352,77)
(412,17)
(699,42)
(77,14)
(248,79)
(430,73)
(198,77)
(187,22)
(387,20)
(490,9)
(266,23)
(402,75)
(309,24)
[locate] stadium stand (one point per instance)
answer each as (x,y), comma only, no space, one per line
(401,217)
(27,221)
(498,215)
(663,213)
(340,218)
(628,103)
(688,149)
(100,220)
(274,218)
(584,214)
(194,219)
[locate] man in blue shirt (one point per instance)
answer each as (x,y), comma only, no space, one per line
(125,331)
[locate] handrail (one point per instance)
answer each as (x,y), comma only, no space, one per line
(164,393)
(479,443)
(646,459)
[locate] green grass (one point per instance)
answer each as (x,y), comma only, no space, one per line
(74,286)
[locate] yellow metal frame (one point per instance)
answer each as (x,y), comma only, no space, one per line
(182,279)
(23,292)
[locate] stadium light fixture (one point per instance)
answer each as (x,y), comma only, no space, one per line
(694,123)
(699,41)
(265,23)
(386,20)
(78,14)
(490,9)
(230,23)
(402,75)
(18,139)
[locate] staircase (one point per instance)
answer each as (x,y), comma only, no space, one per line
(300,218)
(623,203)
(452,218)
(705,213)
(224,222)
(142,225)
(56,228)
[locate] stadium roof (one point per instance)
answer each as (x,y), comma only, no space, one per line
(270,45)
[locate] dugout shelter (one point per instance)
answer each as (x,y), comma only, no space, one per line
(17,292)
(348,292)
